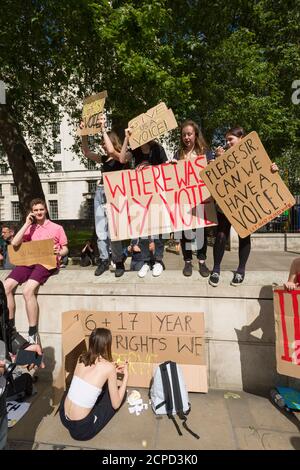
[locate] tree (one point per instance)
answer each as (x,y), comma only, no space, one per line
(221,63)
(45,50)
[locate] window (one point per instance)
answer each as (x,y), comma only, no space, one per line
(90,164)
(13,190)
(40,167)
(92,185)
(89,210)
(57,147)
(56,129)
(57,166)
(53,210)
(52,188)
(1,190)
(3,169)
(15,211)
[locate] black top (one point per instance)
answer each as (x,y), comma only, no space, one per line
(109,164)
(157,155)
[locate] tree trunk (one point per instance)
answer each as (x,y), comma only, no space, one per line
(20,161)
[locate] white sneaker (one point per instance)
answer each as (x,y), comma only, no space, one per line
(143,271)
(157,269)
(34,339)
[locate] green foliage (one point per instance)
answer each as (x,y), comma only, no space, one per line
(221,63)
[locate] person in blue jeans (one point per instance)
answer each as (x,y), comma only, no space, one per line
(110,162)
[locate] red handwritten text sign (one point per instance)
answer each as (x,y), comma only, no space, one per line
(158,199)
(287,325)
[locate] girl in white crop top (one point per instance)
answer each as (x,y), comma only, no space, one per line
(93,396)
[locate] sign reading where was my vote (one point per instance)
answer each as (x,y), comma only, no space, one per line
(287,327)
(244,187)
(150,125)
(91,113)
(144,339)
(158,199)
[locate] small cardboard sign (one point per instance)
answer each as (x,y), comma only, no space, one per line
(34,252)
(151,125)
(244,187)
(287,327)
(144,339)
(92,111)
(158,199)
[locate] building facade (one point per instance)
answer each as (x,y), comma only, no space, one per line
(69,188)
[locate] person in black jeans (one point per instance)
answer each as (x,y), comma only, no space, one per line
(233,136)
(192,144)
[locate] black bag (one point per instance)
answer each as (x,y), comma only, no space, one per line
(85,260)
(20,387)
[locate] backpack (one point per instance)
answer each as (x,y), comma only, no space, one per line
(169,396)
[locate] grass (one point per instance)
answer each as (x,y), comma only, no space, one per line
(77,239)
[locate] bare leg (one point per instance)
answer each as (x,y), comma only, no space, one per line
(31,304)
(10,286)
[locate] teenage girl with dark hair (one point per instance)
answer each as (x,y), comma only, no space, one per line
(93,397)
(233,136)
(192,144)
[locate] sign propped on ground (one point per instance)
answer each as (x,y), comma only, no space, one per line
(145,339)
(287,327)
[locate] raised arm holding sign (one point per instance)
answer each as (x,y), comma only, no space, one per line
(249,193)
(92,113)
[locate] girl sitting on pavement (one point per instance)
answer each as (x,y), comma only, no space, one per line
(93,397)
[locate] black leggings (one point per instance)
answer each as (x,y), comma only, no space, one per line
(185,242)
(223,231)
(86,428)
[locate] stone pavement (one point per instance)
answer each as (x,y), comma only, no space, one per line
(223,419)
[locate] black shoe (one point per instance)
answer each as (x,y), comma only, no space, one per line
(120,269)
(214,279)
(203,270)
(102,266)
(237,279)
(188,269)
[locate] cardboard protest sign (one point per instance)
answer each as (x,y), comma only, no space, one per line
(287,327)
(92,111)
(73,344)
(34,252)
(144,339)
(158,199)
(151,125)
(244,187)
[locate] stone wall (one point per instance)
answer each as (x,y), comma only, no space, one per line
(239,321)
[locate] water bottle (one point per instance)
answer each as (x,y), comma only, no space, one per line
(277,399)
